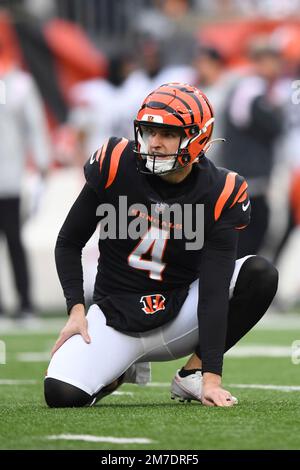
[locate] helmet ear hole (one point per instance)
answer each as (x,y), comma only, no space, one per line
(193,130)
(185,158)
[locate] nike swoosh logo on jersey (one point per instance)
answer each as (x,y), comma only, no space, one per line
(245,207)
(92,159)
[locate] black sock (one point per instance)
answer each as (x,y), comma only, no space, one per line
(184,373)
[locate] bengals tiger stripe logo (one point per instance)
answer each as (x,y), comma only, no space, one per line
(153,303)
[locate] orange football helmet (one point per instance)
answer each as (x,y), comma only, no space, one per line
(180,106)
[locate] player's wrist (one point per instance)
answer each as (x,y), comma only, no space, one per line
(77,310)
(210,378)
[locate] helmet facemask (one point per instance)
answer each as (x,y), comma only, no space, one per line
(156,163)
(161,164)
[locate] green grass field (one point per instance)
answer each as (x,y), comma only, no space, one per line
(264,418)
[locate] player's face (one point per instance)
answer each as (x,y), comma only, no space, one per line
(162,141)
(164,144)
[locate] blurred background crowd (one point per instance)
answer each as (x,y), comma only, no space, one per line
(74,72)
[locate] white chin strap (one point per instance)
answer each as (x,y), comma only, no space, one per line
(160,166)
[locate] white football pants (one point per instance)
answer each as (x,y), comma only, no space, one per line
(110,353)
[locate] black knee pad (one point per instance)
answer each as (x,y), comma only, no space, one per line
(257,273)
(60,394)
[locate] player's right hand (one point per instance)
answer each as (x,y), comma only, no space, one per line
(77,324)
(216,396)
(212,392)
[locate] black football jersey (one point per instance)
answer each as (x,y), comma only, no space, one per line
(155,265)
(112,173)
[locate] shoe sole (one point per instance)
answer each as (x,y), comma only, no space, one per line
(179,393)
(180,399)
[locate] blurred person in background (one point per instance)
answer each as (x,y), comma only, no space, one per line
(172,23)
(288,151)
(285,190)
(216,81)
(248,8)
(98,110)
(288,162)
(106,106)
(23,131)
(253,125)
(151,71)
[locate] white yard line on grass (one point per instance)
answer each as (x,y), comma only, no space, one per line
(17,382)
(32,382)
(40,325)
(34,356)
(277,321)
(37,326)
(89,438)
(280,388)
(260,350)
(251,350)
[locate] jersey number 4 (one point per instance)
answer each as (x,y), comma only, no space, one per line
(148,253)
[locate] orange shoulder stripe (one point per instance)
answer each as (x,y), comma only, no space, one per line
(103,151)
(225,194)
(114,161)
(243,197)
(243,188)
